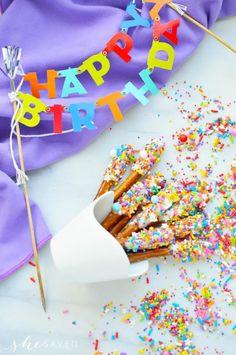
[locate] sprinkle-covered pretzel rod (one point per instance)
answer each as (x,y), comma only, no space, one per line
(192,225)
(120,225)
(152,238)
(190,203)
(148,158)
(178,240)
(153,211)
(121,159)
(104,187)
(138,195)
(140,256)
(165,234)
(111,220)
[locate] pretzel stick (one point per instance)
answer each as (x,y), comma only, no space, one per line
(130,199)
(127,231)
(111,220)
(189,204)
(183,231)
(121,159)
(151,253)
(119,226)
(104,187)
(150,213)
(138,195)
(155,182)
(162,251)
(122,223)
(136,189)
(165,234)
(192,225)
(152,238)
(149,156)
(129,181)
(156,253)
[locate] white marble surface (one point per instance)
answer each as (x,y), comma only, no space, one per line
(63,189)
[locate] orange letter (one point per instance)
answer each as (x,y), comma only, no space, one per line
(157,7)
(35,86)
(110,100)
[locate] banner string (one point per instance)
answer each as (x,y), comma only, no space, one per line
(13,97)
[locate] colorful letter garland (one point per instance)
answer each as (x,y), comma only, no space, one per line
(82,114)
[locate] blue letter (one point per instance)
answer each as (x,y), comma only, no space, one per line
(149,85)
(70,78)
(137,19)
(80,120)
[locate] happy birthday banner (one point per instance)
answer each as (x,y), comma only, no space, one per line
(83,113)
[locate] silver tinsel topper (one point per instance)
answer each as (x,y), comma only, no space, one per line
(11,57)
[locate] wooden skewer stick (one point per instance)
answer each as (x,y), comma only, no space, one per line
(28,207)
(195,22)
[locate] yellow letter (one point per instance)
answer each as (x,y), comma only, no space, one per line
(32,106)
(153,62)
(97,75)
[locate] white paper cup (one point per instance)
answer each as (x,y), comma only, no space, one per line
(83,251)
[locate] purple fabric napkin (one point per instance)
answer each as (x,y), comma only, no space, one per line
(60,34)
